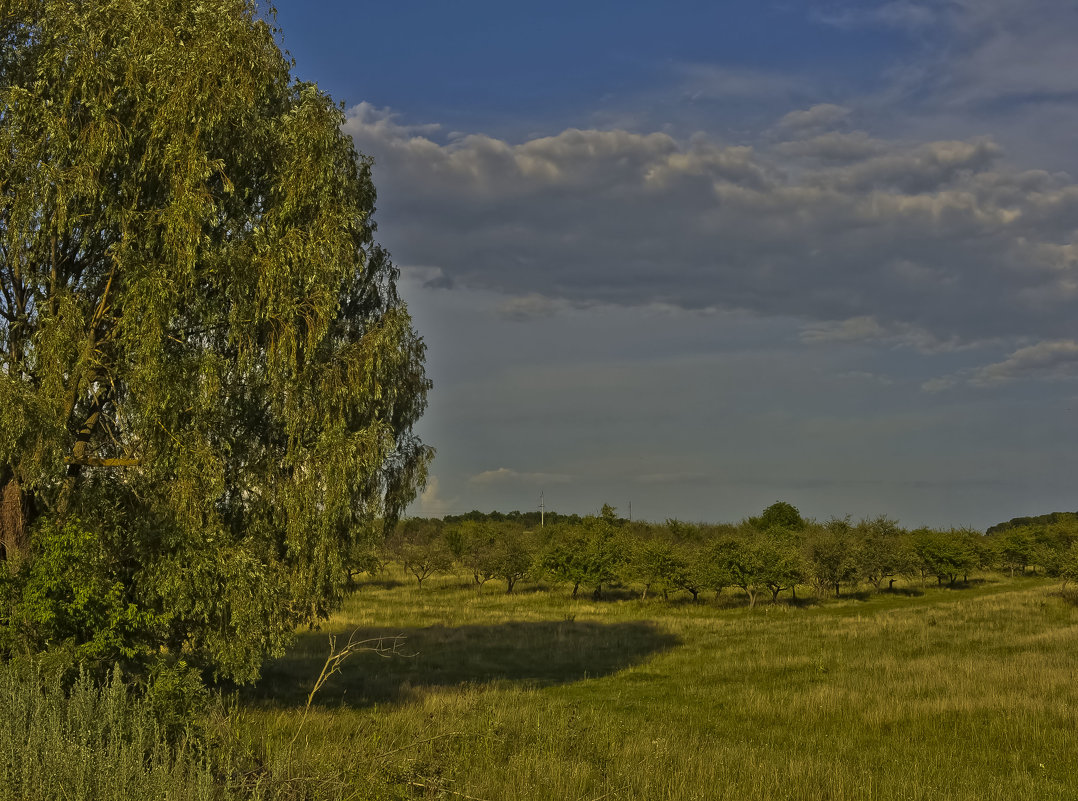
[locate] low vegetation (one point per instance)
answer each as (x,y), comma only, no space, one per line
(595,657)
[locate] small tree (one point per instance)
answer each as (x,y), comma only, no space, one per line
(1068,566)
(945,554)
(743,561)
(880,551)
(474,544)
(782,562)
(421,548)
(589,554)
(565,555)
(832,558)
(655,563)
(513,555)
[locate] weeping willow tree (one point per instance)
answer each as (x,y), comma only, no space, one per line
(208,382)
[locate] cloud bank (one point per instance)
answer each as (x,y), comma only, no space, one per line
(933,245)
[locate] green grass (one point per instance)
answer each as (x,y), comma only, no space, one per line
(946,693)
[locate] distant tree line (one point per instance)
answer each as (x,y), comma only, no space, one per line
(1066,519)
(775,553)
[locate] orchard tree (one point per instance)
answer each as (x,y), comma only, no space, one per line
(881,552)
(208,382)
(655,563)
(473,543)
(589,554)
(514,554)
(783,563)
(832,557)
(742,560)
(419,545)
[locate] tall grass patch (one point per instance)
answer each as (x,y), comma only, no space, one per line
(90,742)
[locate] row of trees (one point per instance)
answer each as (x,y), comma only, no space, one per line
(774,553)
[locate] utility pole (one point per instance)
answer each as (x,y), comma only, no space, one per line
(630,511)
(542,511)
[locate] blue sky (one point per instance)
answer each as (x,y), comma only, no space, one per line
(700,257)
(494,60)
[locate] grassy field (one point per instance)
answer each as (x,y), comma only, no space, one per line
(944,694)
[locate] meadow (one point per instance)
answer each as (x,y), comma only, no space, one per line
(966,692)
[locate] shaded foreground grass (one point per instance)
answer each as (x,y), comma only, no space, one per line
(957,694)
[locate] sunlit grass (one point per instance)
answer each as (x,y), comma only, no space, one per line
(957,694)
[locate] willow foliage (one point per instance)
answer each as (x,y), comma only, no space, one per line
(208,382)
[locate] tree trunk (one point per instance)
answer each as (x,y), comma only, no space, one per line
(575,588)
(510,582)
(13,539)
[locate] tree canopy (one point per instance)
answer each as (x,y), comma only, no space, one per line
(208,382)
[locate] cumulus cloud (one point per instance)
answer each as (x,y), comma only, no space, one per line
(1048,360)
(821,117)
(431,503)
(940,243)
(867,330)
(504,475)
(834,147)
(1045,360)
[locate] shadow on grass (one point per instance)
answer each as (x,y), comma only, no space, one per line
(1068,594)
(527,653)
(905,592)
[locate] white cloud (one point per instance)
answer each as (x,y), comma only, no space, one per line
(823,116)
(866,330)
(835,147)
(1045,360)
(504,475)
(431,503)
(1048,360)
(898,14)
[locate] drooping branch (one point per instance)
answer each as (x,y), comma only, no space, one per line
(96,461)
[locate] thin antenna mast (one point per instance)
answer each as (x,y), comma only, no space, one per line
(542,511)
